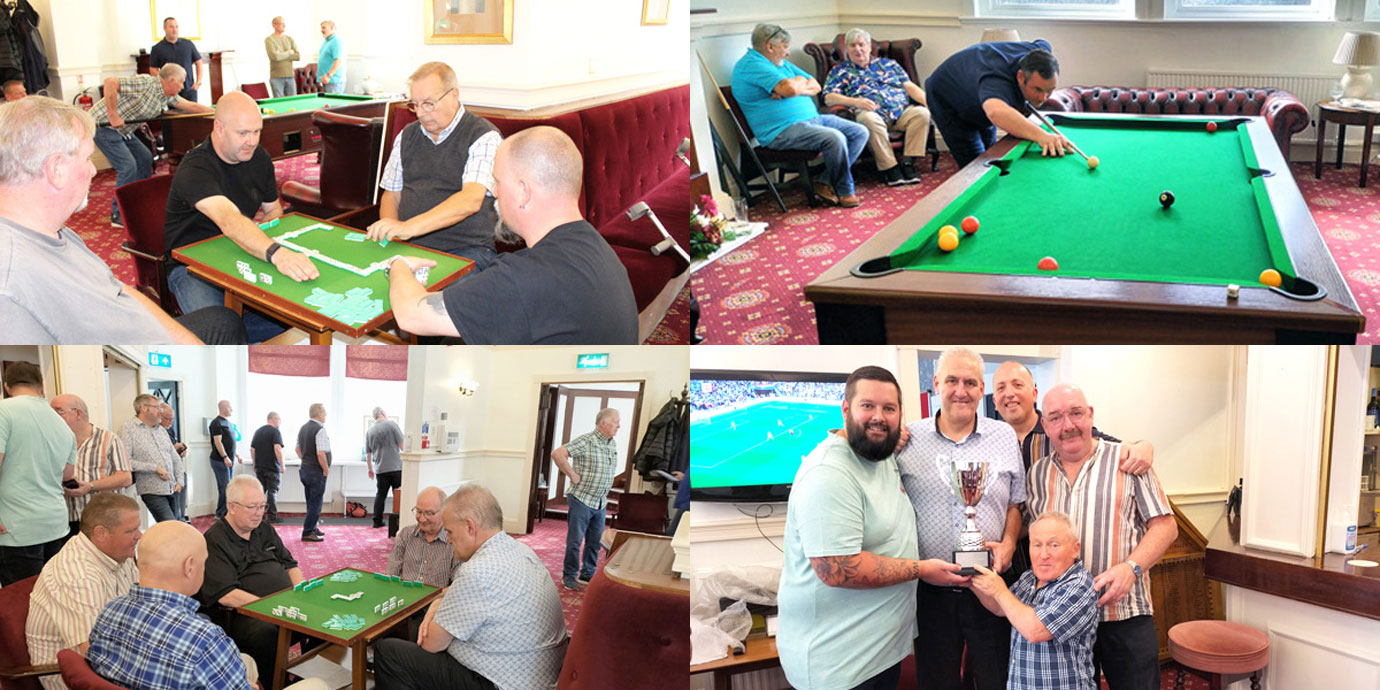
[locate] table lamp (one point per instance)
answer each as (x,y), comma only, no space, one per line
(990,35)
(1359,51)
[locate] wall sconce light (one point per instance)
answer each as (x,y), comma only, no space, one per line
(468,387)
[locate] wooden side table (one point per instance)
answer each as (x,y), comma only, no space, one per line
(1330,111)
(760,653)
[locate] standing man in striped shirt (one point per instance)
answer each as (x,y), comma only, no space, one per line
(94,567)
(102,463)
(158,471)
(1124,523)
(589,461)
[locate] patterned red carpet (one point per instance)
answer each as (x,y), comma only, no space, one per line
(356,544)
(93,224)
(755,295)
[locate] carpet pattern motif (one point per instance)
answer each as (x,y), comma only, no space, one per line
(93,225)
(756,294)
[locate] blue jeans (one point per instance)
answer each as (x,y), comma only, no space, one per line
(482,256)
(222,475)
(315,488)
(585,525)
(283,86)
(130,158)
(337,85)
(161,507)
(180,504)
(841,141)
(193,293)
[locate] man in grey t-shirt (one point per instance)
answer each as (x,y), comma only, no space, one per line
(50,144)
(382,444)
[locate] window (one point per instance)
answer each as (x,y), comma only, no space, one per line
(1058,9)
(1252,10)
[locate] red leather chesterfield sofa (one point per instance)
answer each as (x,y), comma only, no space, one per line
(1283,112)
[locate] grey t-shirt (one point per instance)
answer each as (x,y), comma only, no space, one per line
(54,290)
(382,440)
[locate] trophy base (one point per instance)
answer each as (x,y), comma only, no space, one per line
(968,559)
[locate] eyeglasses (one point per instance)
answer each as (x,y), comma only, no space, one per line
(427,106)
(428,514)
(779,32)
(255,508)
(1075,415)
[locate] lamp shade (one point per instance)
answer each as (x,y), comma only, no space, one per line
(991,35)
(1358,48)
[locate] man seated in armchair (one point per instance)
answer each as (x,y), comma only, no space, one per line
(883,99)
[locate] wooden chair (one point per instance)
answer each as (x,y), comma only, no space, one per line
(256,91)
(349,150)
(78,674)
(827,55)
(143,206)
(756,160)
(16,673)
(641,513)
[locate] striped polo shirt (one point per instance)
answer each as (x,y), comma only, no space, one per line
(1109,507)
(416,559)
(99,456)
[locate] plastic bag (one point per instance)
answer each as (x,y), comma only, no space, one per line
(713,631)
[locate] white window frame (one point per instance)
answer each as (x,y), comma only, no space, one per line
(993,9)
(1372,11)
(1317,11)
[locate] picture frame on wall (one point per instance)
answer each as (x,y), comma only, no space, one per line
(186,12)
(655,11)
(469,21)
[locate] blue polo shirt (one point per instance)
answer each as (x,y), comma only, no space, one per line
(331,49)
(753,79)
(958,86)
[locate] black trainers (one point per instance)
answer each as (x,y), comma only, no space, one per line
(908,174)
(313,537)
(892,176)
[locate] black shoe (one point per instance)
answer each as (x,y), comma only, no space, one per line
(115,220)
(378,525)
(892,176)
(317,531)
(313,537)
(908,174)
(584,581)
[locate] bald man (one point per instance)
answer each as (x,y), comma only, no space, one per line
(566,287)
(223,455)
(218,188)
(102,464)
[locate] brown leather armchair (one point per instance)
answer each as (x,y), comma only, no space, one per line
(826,55)
(306,78)
(349,163)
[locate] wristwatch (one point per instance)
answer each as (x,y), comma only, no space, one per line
(1135,567)
(268,255)
(389,265)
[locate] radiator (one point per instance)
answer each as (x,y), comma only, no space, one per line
(766,679)
(1309,88)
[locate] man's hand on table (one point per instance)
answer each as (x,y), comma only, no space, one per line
(387,229)
(298,267)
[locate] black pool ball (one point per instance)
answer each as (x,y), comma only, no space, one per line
(1166,198)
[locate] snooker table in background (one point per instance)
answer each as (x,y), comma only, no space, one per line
(214,260)
(1129,269)
(319,607)
(288,130)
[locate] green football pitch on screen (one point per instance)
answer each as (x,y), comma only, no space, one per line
(759,444)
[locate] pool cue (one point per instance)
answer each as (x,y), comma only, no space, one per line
(1056,130)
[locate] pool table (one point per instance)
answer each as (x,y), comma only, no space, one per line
(288,129)
(1129,268)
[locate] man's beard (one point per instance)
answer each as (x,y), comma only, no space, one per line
(502,232)
(876,451)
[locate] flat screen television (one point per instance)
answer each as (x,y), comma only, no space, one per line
(749,430)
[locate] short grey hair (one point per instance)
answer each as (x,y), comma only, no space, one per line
(474,501)
(234,490)
(605,414)
(769,33)
(315,409)
(327,21)
(378,412)
(172,70)
(854,34)
(36,128)
(271,416)
(442,72)
(546,157)
(1056,516)
(143,399)
(958,353)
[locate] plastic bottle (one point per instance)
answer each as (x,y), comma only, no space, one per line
(426,443)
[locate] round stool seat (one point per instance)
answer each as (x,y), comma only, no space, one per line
(1219,647)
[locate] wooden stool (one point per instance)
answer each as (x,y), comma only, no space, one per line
(1210,649)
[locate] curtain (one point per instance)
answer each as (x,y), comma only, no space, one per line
(379,362)
(290,360)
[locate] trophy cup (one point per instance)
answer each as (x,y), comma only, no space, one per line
(969,480)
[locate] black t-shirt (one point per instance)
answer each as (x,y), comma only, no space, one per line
(262,444)
(568,289)
(220,426)
(258,565)
(203,174)
(969,77)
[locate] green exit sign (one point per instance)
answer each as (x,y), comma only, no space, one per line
(599,361)
(158,359)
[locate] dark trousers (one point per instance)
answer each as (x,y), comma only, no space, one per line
(399,664)
(215,326)
(964,142)
(948,619)
(315,488)
(222,475)
(180,504)
(886,680)
(387,482)
(269,479)
(161,507)
(1128,653)
(19,562)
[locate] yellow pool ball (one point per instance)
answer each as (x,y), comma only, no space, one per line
(948,241)
(1271,277)
(1093,162)
(269,111)
(292,110)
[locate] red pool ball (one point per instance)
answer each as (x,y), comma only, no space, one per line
(1211,127)
(969,225)
(1048,264)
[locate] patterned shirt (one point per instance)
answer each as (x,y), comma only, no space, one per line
(479,163)
(149,449)
(152,639)
(1124,502)
(881,81)
(504,613)
(1067,607)
(926,471)
(595,459)
(99,456)
(71,591)
(141,97)
(414,558)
